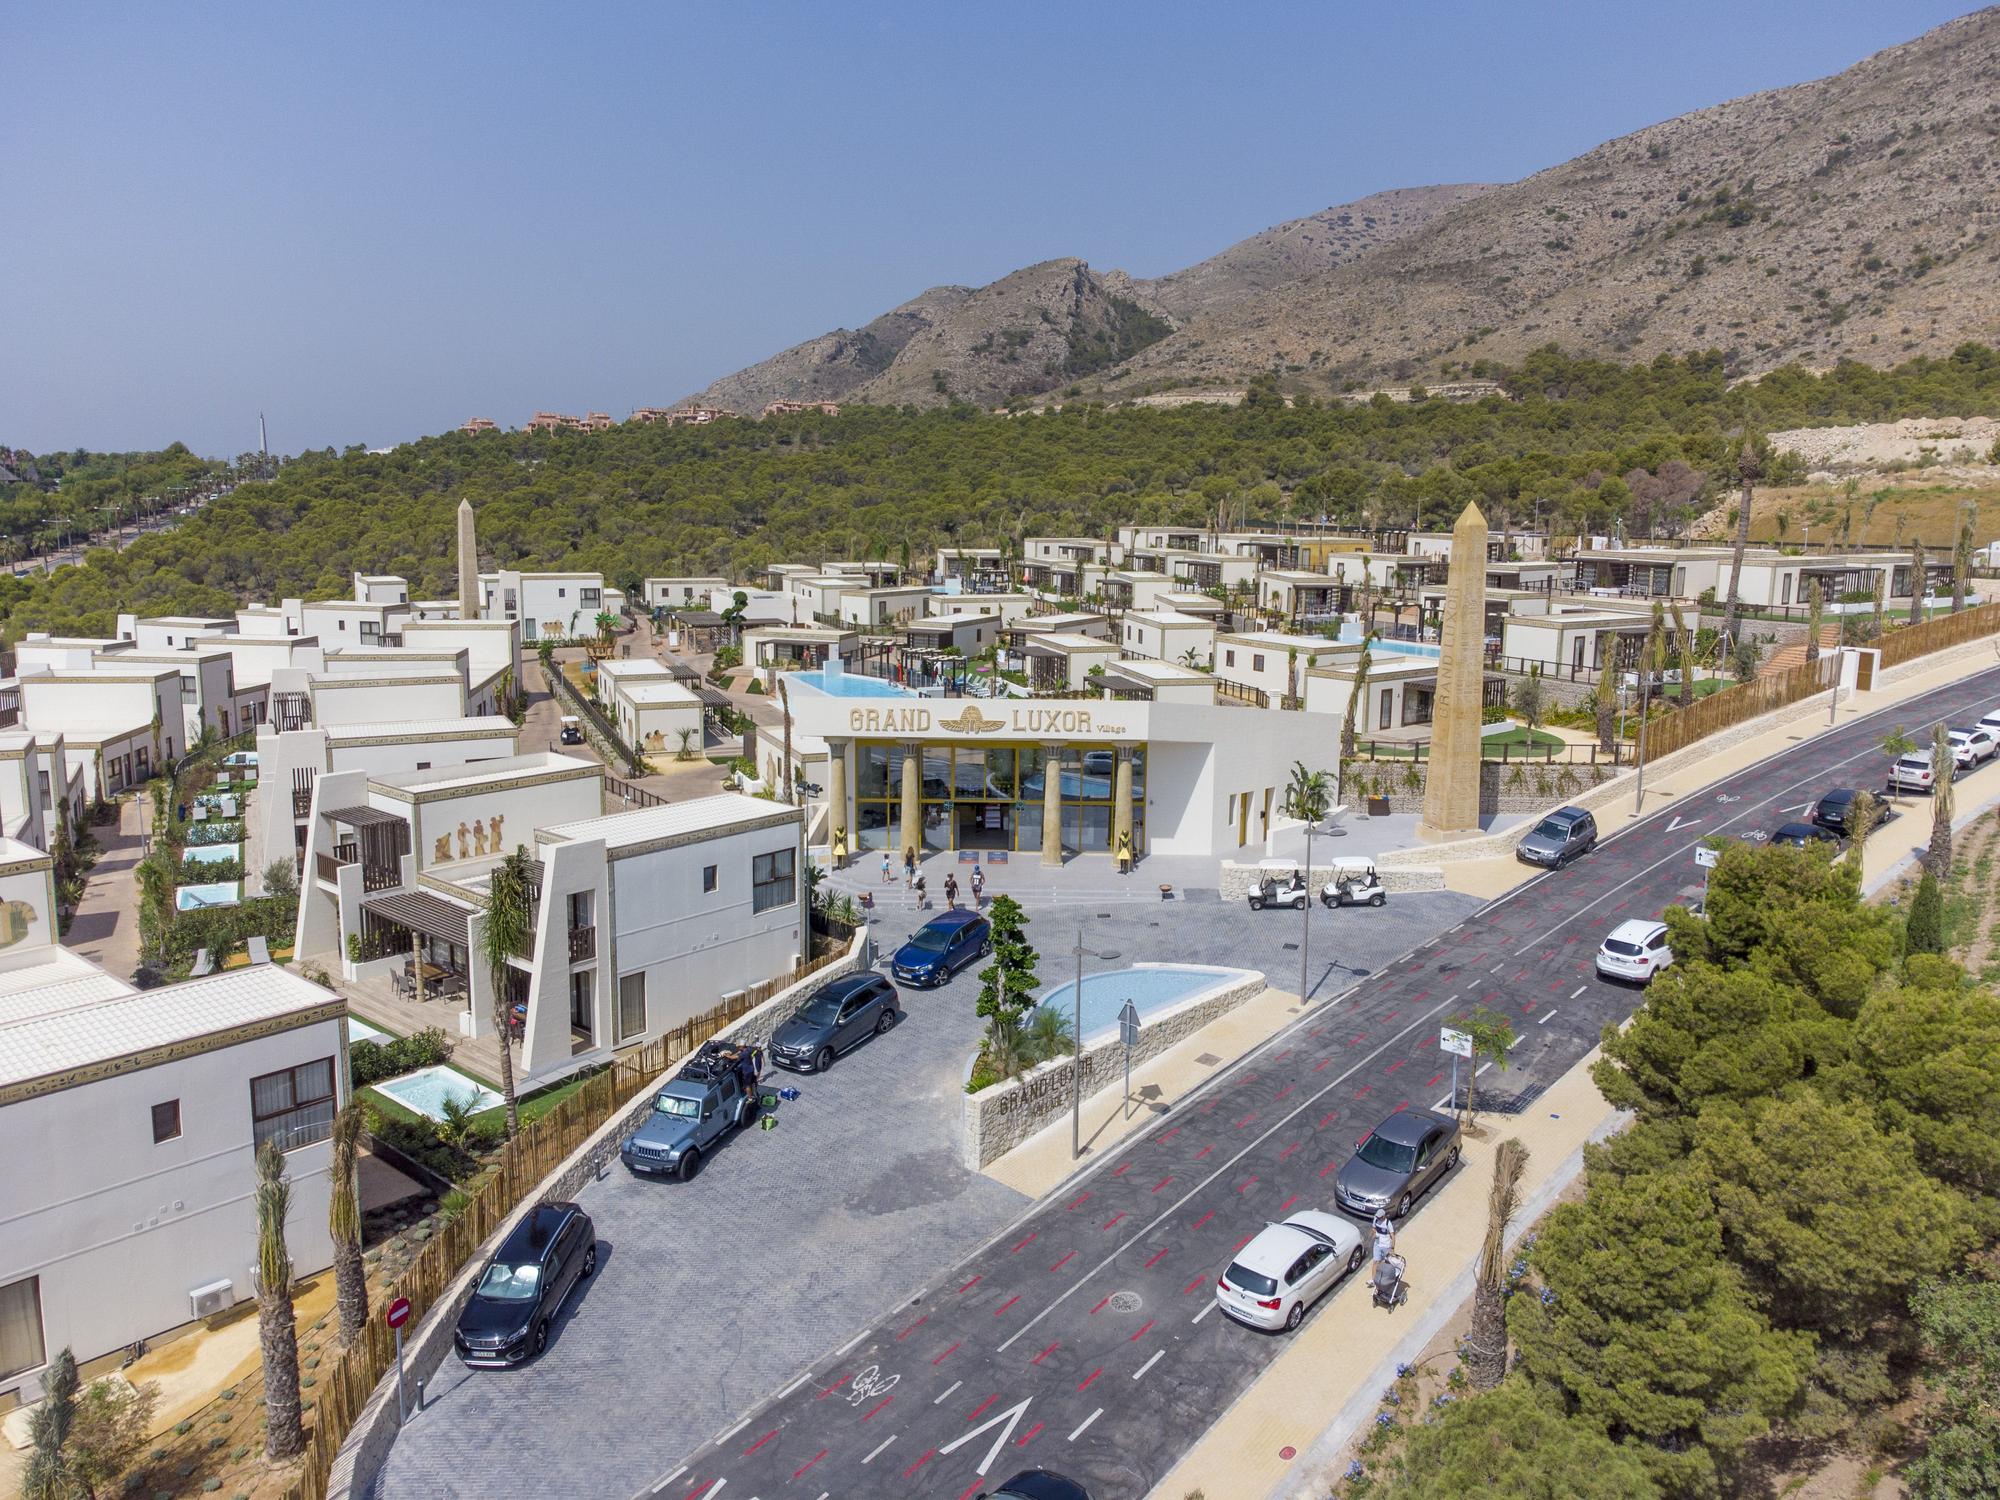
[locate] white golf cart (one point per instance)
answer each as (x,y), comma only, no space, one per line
(1280,882)
(1354,882)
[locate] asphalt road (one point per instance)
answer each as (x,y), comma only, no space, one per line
(1081,1338)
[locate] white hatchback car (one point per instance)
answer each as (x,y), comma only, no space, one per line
(1288,1267)
(1635,950)
(1972,747)
(1913,773)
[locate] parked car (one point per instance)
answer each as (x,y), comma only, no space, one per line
(1037,1484)
(1567,833)
(690,1116)
(840,1016)
(1972,747)
(1991,723)
(1912,773)
(941,947)
(1834,809)
(1402,1157)
(1799,835)
(1287,1267)
(1638,949)
(524,1285)
(572,733)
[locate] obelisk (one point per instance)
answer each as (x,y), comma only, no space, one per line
(1451,790)
(468,564)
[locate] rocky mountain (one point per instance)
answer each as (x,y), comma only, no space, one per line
(1850,217)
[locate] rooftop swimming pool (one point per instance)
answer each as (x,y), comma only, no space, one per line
(839,684)
(425,1091)
(215,893)
(1150,988)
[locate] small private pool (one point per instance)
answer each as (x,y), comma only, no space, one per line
(215,893)
(211,854)
(240,758)
(836,683)
(1150,987)
(359,1030)
(425,1091)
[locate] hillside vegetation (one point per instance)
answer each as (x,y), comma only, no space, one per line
(1850,217)
(1586,441)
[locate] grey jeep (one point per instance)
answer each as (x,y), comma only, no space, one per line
(690,1116)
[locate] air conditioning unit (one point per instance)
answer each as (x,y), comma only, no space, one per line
(207,1301)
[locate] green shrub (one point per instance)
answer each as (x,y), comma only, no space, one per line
(371,1062)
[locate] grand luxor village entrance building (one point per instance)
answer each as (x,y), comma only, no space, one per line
(1049,778)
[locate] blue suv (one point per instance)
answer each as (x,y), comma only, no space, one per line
(941,947)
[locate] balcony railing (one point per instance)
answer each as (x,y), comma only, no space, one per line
(582,943)
(374,877)
(302,802)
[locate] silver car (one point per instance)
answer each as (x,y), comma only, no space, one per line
(1402,1158)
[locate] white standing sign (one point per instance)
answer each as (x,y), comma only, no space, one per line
(1706,857)
(1457,1043)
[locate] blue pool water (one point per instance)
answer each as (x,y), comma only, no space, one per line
(240,758)
(1149,989)
(840,684)
(426,1090)
(216,893)
(210,854)
(1350,632)
(359,1030)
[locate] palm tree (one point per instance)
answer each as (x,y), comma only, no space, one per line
(1919,584)
(1881,599)
(277,1329)
(1943,763)
(686,751)
(343,1221)
(1309,794)
(1896,745)
(1049,1034)
(505,932)
(1815,611)
(1961,565)
(49,1474)
(1486,1343)
(1008,1050)
(788,791)
(1749,469)
(1355,696)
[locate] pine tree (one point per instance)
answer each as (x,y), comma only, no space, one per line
(1923,932)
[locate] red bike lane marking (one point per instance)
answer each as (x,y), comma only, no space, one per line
(971,1284)
(973,1415)
(1162,1183)
(929,1454)
(1022,1440)
(1286,1206)
(946,1355)
(1007,1304)
(1064,1261)
(1102,1302)
(913,1328)
(877,1407)
(1397,1064)
(760,1442)
(1148,1328)
(1076,1202)
(1188,1290)
(809,1463)
(1114,1219)
(1158,1256)
(1088,1379)
(1033,1235)
(1046,1352)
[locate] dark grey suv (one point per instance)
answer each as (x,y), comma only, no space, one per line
(1567,833)
(842,1015)
(1402,1157)
(519,1293)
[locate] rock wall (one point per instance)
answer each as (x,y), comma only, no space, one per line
(1001,1116)
(1504,786)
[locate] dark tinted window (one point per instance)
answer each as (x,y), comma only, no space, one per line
(1242,1276)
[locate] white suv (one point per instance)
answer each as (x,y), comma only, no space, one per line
(1972,747)
(1911,774)
(1635,950)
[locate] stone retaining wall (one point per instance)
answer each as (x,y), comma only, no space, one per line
(1504,786)
(1001,1116)
(427,1345)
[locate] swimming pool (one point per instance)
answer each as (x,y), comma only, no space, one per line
(211,854)
(359,1030)
(426,1090)
(1350,632)
(1150,988)
(215,893)
(240,758)
(838,684)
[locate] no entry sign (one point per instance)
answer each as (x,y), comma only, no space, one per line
(397,1313)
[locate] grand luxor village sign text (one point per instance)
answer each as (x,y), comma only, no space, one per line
(1022,720)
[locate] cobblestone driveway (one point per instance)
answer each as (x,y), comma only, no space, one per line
(713,1294)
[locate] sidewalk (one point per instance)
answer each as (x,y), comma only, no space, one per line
(105,929)
(1277,1439)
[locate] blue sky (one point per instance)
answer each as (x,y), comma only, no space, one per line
(374,221)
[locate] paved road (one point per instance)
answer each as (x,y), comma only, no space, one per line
(713,1293)
(1081,1337)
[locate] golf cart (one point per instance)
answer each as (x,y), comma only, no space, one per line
(1280,882)
(1353,882)
(572,733)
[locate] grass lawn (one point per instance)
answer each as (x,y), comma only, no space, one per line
(1520,737)
(531,1106)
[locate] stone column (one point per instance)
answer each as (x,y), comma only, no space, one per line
(1052,805)
(1451,791)
(468,564)
(840,826)
(911,832)
(1121,811)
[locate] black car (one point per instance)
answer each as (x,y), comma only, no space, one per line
(842,1015)
(1833,810)
(1037,1484)
(520,1291)
(1799,835)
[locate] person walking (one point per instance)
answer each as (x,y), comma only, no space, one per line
(951,892)
(917,885)
(909,868)
(978,886)
(888,869)
(1385,1236)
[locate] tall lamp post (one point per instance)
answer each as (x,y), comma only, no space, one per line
(1076,1045)
(1305,914)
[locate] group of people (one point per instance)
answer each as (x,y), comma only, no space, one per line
(913,881)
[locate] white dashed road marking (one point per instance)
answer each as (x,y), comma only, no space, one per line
(1157,1353)
(874,1452)
(1086,1423)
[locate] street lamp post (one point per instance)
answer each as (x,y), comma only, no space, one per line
(1076,1045)
(1305,915)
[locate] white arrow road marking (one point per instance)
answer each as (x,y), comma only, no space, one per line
(1086,1423)
(1675,823)
(1011,1416)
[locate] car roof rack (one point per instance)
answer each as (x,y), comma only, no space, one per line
(702,1069)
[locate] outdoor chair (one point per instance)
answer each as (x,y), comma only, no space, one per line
(260,951)
(204,965)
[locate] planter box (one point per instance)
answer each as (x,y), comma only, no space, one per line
(1378,807)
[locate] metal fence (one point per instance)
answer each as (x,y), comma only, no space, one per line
(543,1145)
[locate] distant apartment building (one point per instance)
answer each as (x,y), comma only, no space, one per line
(794,408)
(480,424)
(555,421)
(681,416)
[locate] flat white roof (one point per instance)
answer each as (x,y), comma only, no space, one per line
(1281,639)
(75,1020)
(1158,671)
(486,770)
(717,814)
(495,724)
(1168,617)
(658,692)
(1058,622)
(1076,643)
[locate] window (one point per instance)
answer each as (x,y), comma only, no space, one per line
(631,1005)
(707,879)
(293,1106)
(166,1121)
(1257,662)
(772,879)
(1229,658)
(21,1345)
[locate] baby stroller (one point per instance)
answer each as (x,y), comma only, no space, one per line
(1391,1291)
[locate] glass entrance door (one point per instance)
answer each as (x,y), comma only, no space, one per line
(985,825)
